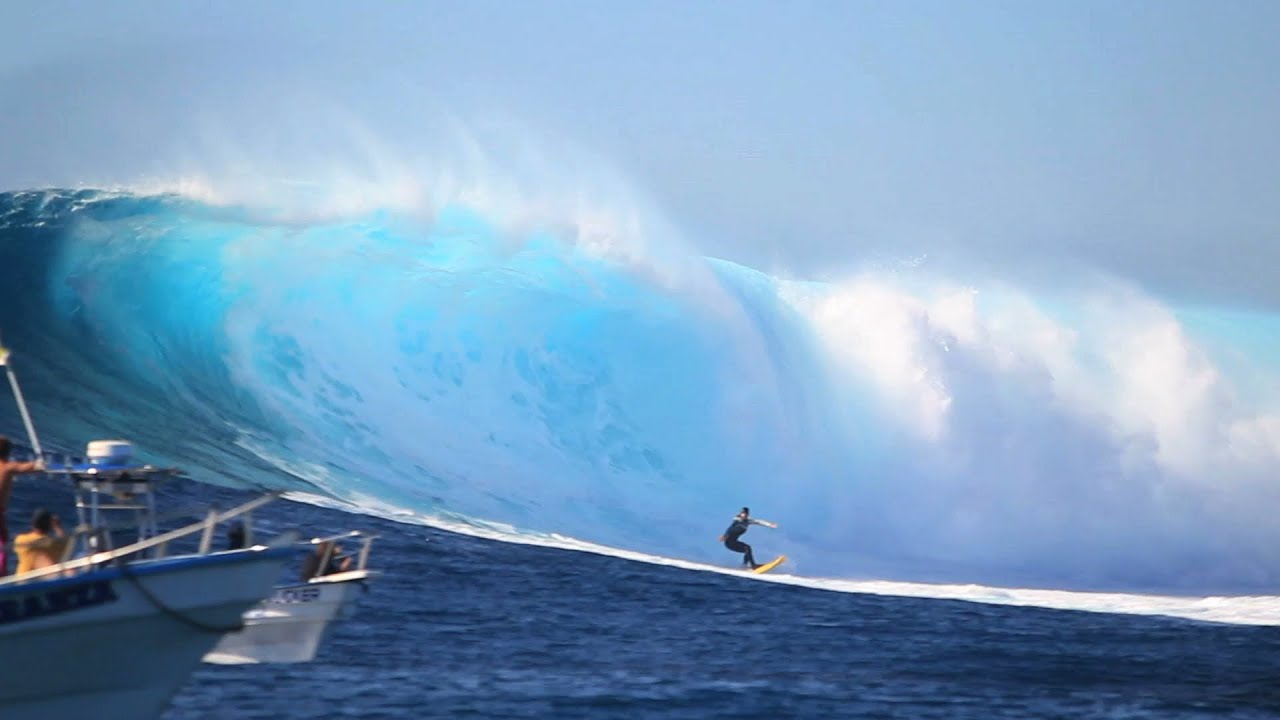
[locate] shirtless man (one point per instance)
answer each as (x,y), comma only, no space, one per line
(8,471)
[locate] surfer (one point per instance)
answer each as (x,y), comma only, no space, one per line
(8,471)
(740,524)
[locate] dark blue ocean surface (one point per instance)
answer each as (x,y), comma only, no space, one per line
(465,627)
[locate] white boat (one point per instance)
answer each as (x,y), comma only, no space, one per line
(116,632)
(111,633)
(289,626)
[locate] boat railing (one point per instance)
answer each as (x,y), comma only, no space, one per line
(108,555)
(331,542)
(129,492)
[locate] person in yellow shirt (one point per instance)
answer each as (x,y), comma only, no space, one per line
(43,545)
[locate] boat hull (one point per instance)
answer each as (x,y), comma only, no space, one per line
(289,626)
(120,642)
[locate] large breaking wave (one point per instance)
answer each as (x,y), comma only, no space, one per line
(898,424)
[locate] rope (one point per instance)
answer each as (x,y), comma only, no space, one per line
(178,615)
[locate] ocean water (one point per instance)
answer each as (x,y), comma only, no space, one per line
(460,626)
(997,501)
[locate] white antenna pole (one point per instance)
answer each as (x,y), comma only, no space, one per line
(22,403)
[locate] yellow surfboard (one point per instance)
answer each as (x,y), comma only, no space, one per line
(771,565)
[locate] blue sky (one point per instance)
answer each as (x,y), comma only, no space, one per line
(1139,137)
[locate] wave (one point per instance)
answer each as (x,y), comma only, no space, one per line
(555,378)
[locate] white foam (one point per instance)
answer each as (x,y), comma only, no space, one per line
(1125,363)
(1262,610)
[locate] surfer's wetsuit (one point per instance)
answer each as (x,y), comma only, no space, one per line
(731,541)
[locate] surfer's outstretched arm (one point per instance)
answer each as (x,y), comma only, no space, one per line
(766,523)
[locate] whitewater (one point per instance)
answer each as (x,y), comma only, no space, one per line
(570,380)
